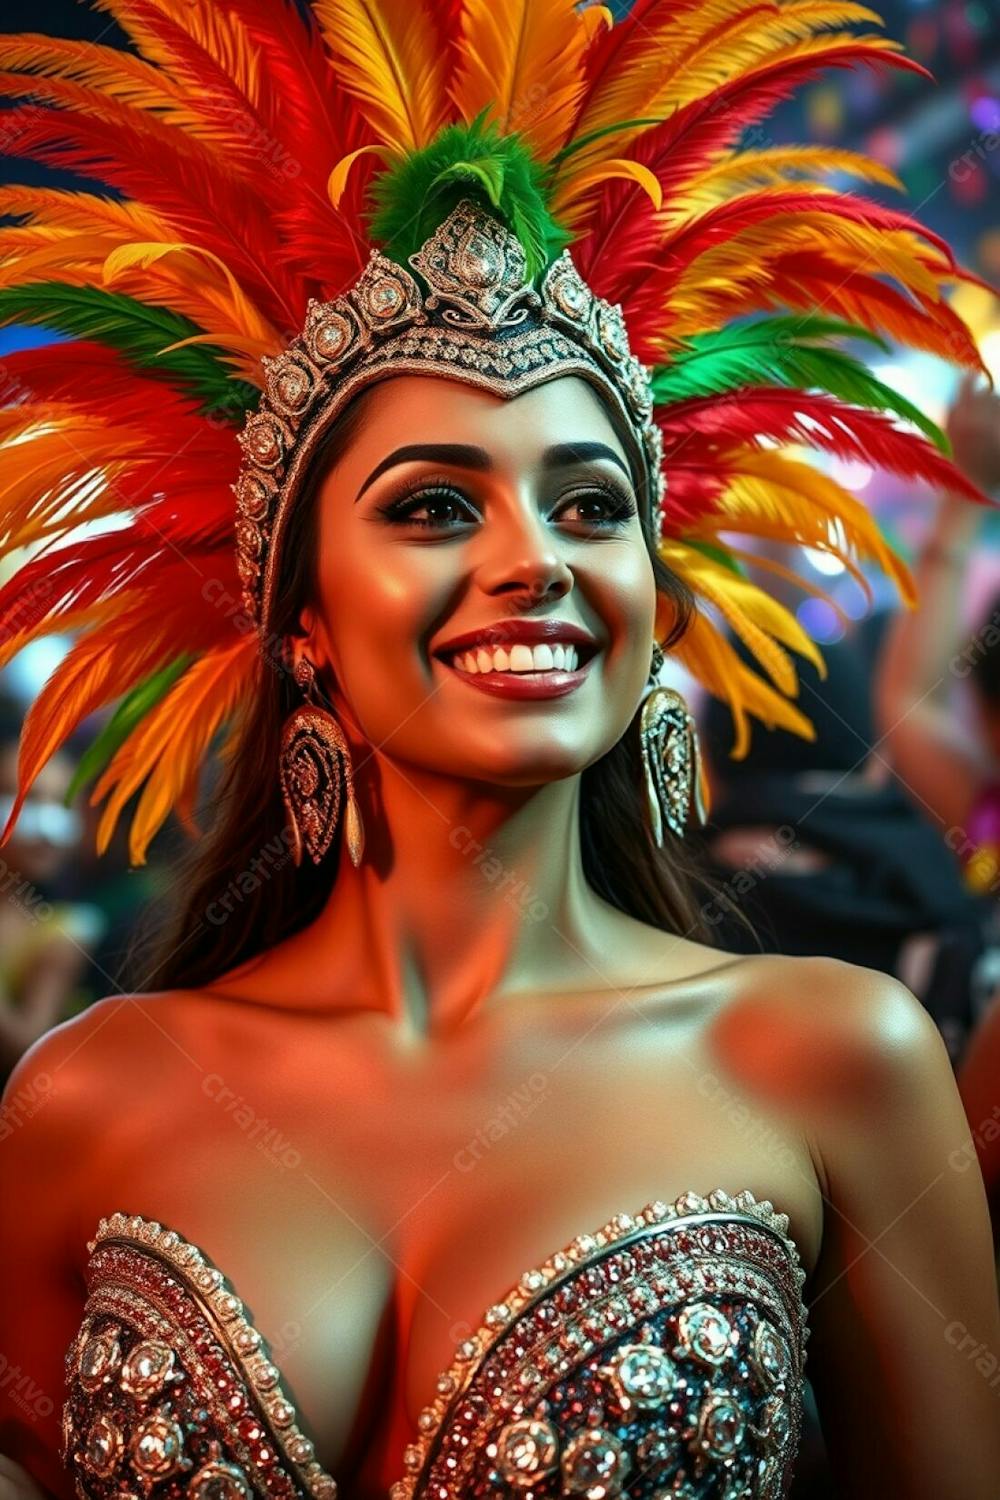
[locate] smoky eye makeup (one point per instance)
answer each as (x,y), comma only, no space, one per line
(439,492)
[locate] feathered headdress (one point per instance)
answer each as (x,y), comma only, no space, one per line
(258,152)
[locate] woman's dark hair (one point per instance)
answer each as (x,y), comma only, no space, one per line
(225,910)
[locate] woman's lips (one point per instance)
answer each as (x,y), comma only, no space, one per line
(554,683)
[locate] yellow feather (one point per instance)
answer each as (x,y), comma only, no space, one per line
(757,560)
(212,26)
(773,166)
(181,285)
(51,62)
(70,620)
(728,40)
(735,277)
(705,652)
(34,506)
(337,180)
(652,54)
(86,213)
(749,599)
(776,661)
(246,316)
(524,58)
(752,43)
(792,501)
(170,742)
(570,213)
(884,250)
(103,664)
(387,54)
(18,419)
(825,13)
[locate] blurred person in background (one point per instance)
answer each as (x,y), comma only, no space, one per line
(950,764)
(979,1085)
(827,855)
(44,942)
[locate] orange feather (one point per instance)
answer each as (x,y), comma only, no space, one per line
(524,59)
(387,55)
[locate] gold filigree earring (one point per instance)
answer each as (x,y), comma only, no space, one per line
(671,759)
(317,777)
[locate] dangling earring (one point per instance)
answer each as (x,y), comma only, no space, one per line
(671,758)
(315,759)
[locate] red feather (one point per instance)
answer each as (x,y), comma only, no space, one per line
(245,128)
(71,577)
(181,180)
(723,423)
(722,221)
(622,227)
(808,280)
(317,124)
(97,376)
(608,46)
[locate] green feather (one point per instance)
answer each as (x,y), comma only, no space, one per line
(783,351)
(133,707)
(419,191)
(136,330)
(717,554)
(582,141)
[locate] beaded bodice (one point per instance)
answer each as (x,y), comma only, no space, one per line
(662,1355)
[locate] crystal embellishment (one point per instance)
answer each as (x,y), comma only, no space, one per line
(157,1446)
(146,1369)
(594,1464)
(721,1426)
(527,1451)
(101,1355)
(481,319)
(103,1447)
(769,1354)
(703,1333)
(643,1374)
(219,1481)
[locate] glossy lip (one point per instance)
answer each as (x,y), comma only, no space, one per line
(550,684)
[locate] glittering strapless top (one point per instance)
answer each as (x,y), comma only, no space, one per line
(661,1355)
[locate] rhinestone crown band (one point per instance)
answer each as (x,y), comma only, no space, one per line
(482,322)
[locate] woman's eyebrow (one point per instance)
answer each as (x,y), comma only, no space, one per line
(465,456)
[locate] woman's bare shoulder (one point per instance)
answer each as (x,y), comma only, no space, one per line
(118,1044)
(843,1045)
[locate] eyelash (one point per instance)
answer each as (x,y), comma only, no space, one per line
(400,506)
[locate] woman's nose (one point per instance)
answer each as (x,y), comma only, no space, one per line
(520,554)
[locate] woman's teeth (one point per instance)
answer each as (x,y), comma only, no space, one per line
(519,658)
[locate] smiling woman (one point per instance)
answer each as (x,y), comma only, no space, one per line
(358,569)
(449,1161)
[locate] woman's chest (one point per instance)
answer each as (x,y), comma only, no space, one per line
(367,1231)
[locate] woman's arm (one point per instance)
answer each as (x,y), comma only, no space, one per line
(979,1083)
(49,1108)
(940,761)
(905,1352)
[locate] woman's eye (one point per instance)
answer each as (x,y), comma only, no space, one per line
(443,508)
(613,508)
(436,503)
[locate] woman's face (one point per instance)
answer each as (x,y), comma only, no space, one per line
(416,550)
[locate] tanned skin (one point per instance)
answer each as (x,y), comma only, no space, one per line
(459,1065)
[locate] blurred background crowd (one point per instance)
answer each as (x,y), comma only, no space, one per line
(878,842)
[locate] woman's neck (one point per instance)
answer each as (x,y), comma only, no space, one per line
(463,893)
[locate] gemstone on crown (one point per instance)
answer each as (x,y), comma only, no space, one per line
(481,315)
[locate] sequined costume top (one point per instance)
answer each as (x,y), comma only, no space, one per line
(663,1353)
